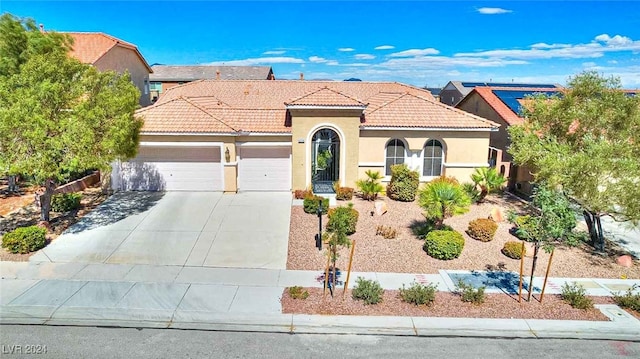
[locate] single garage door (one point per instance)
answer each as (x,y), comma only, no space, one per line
(264,169)
(171,169)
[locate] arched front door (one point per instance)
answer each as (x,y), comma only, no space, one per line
(325,160)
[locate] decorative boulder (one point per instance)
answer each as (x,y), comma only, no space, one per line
(380,207)
(625,260)
(497,215)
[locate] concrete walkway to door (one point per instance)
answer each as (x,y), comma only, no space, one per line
(246,230)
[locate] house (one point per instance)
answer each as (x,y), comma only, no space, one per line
(503,105)
(165,77)
(106,52)
(233,135)
(454,91)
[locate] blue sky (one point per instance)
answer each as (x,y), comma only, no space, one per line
(416,42)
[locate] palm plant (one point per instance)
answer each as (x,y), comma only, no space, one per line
(488,179)
(370,187)
(441,199)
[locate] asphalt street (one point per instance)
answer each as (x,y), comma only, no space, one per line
(91,342)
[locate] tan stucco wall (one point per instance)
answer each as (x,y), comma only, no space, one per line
(462,150)
(121,59)
(476,105)
(304,123)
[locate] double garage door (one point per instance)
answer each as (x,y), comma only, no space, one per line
(158,168)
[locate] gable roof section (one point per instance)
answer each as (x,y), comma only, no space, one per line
(208,72)
(89,47)
(410,110)
(170,117)
(325,97)
(261,106)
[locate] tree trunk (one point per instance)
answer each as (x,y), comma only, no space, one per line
(484,191)
(600,234)
(533,268)
(45,200)
(595,229)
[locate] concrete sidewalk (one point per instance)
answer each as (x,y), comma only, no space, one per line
(249,300)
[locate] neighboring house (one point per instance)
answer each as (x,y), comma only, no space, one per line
(165,77)
(219,135)
(503,105)
(454,91)
(106,52)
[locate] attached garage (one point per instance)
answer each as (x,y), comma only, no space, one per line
(174,167)
(264,168)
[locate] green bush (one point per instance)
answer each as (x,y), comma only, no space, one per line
(64,202)
(370,187)
(368,291)
(344,193)
(404,183)
(343,218)
(25,239)
(296,292)
(419,294)
(469,294)
(629,300)
(526,227)
(482,229)
(444,244)
(575,295)
(311,203)
(513,249)
(472,191)
(421,229)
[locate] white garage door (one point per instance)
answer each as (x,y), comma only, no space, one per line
(264,169)
(171,169)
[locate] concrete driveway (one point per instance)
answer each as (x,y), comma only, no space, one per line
(246,230)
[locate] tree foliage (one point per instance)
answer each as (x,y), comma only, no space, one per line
(58,115)
(587,140)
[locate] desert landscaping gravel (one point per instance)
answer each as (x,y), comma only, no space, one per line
(445,305)
(404,254)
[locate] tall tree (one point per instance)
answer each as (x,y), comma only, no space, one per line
(587,140)
(58,115)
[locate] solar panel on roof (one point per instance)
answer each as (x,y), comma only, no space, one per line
(473,84)
(510,98)
(550,86)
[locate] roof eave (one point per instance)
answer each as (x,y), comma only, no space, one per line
(325,107)
(411,128)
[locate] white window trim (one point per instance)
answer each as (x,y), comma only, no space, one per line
(442,166)
(406,157)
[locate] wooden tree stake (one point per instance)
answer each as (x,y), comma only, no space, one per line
(546,275)
(326,274)
(521,270)
(346,283)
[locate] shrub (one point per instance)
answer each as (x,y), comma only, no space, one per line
(575,295)
(482,229)
(513,249)
(343,217)
(386,232)
(344,193)
(404,183)
(444,244)
(302,193)
(297,292)
(526,227)
(370,187)
(368,291)
(629,300)
(421,229)
(25,239)
(472,192)
(311,203)
(64,202)
(470,294)
(419,294)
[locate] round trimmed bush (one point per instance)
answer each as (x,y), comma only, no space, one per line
(25,239)
(444,244)
(513,249)
(482,229)
(343,217)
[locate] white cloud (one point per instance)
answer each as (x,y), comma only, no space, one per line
(615,41)
(332,63)
(274,52)
(384,47)
(492,10)
(346,49)
(317,59)
(589,64)
(364,57)
(542,45)
(415,52)
(259,61)
(357,64)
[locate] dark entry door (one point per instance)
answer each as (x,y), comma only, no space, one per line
(325,160)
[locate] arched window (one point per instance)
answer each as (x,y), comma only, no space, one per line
(433,158)
(394,156)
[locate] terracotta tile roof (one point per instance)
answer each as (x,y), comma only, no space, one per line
(170,117)
(259,106)
(415,111)
(203,72)
(89,47)
(325,97)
